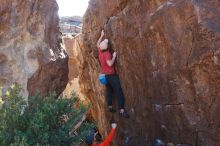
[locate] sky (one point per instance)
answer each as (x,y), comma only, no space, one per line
(72,7)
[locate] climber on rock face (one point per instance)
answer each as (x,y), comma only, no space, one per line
(107,61)
(91,137)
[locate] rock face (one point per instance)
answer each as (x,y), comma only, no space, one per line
(30,46)
(169,66)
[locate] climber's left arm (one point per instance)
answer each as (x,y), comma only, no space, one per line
(100,39)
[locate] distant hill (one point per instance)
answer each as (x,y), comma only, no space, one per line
(73,20)
(71,25)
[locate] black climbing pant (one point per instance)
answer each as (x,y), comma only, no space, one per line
(113,86)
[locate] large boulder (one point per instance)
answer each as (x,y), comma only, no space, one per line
(30,46)
(169,66)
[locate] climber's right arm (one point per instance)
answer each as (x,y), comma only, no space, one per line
(111,61)
(100,39)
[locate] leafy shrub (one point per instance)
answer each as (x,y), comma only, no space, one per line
(41,121)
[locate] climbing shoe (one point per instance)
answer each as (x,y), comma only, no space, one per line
(124,114)
(111,110)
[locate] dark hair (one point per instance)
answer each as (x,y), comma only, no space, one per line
(98,138)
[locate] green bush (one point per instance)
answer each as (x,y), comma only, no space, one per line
(42,121)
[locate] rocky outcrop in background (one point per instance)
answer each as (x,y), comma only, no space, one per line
(73,47)
(30,46)
(169,66)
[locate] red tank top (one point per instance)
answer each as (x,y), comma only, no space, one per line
(103,57)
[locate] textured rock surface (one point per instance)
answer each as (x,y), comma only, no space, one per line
(169,66)
(30,46)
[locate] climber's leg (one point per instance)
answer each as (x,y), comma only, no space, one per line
(108,93)
(118,91)
(120,96)
(109,96)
